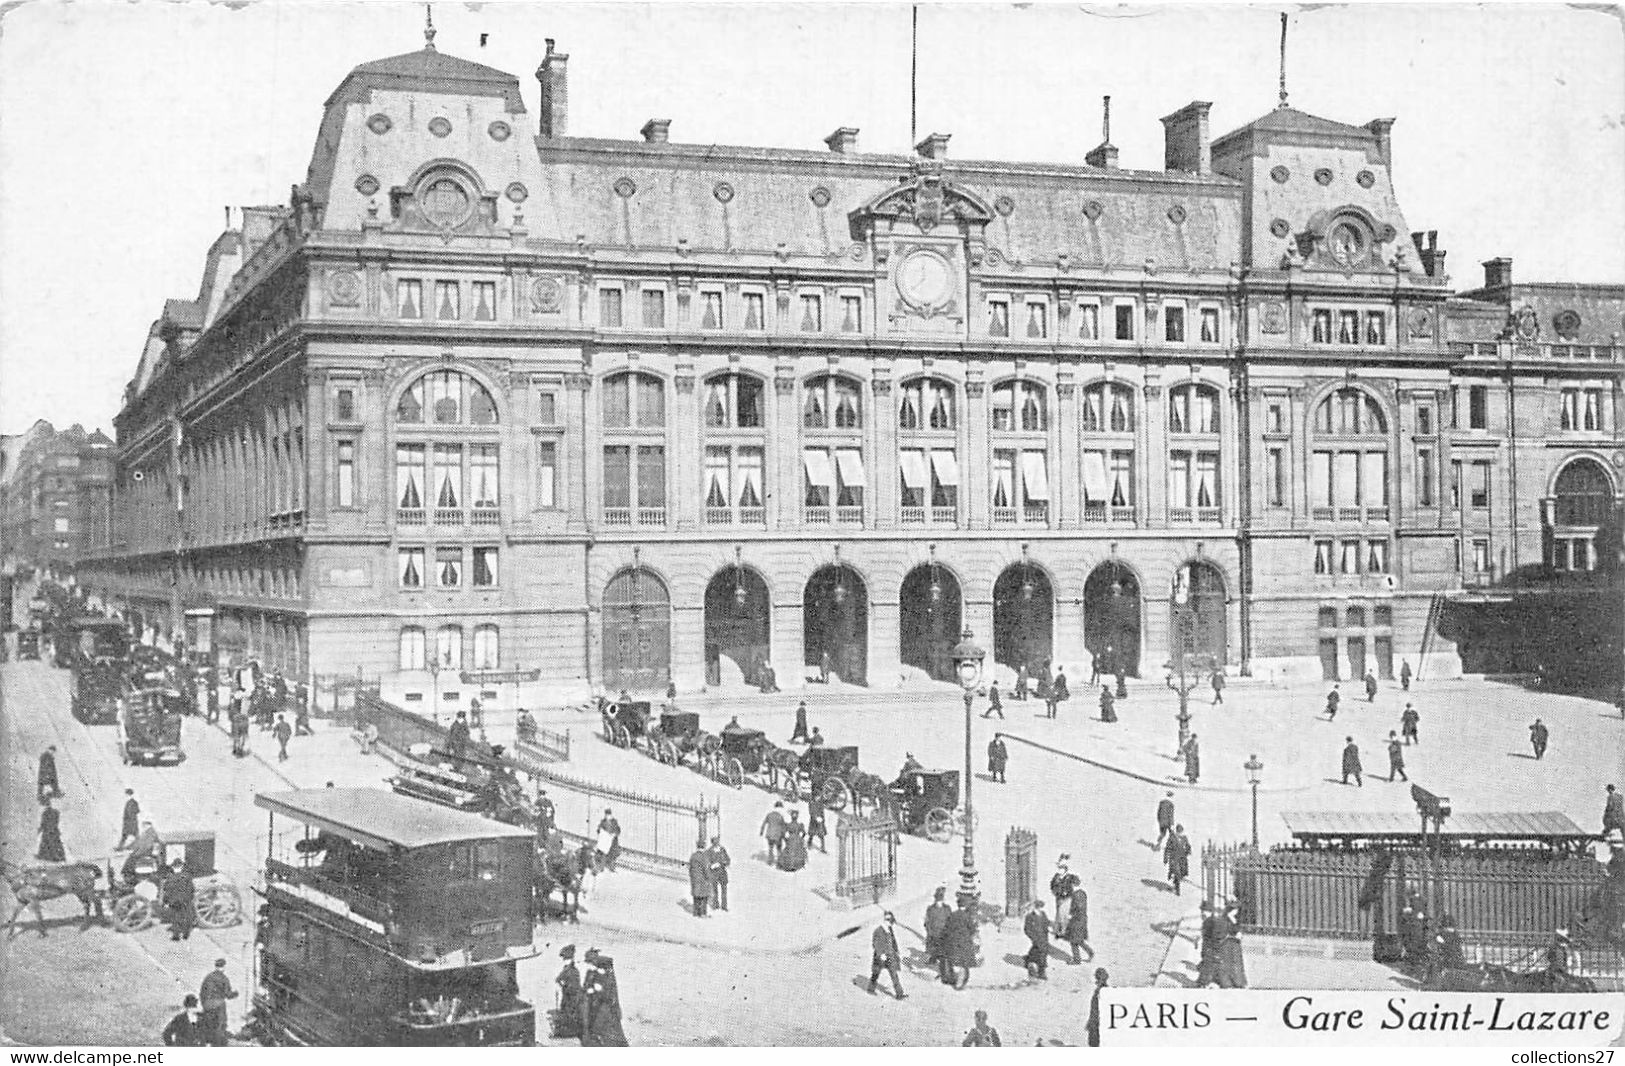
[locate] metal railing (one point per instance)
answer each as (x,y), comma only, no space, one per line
(1100,512)
(486,516)
(411,517)
(865,857)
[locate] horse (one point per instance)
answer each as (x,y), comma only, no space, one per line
(563,870)
(33,885)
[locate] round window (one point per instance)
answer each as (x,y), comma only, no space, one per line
(445,202)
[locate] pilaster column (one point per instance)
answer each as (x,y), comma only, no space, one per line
(974,471)
(884,456)
(1066,479)
(582,489)
(784,453)
(683,497)
(1152,458)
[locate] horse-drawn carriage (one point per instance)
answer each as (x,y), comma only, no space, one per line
(831,775)
(625,721)
(927,802)
(675,737)
(149,727)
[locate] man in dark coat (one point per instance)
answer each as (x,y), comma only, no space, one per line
(1396,758)
(885,955)
(1351,762)
(982,1034)
(1193,759)
(1613,810)
(1217,682)
(1408,722)
(457,736)
(1333,698)
(546,814)
(1165,817)
(1122,684)
(1108,705)
(184,1030)
(178,893)
(959,945)
(567,1015)
(998,756)
(1207,969)
(773,830)
(1092,1026)
(283,733)
(936,921)
(1036,926)
(699,880)
(1177,857)
(720,861)
(1076,931)
(1538,735)
(130,824)
(994,704)
(1058,691)
(816,828)
(1405,674)
(214,993)
(603,1005)
(239,732)
(800,732)
(1370,687)
(1020,692)
(48,784)
(50,834)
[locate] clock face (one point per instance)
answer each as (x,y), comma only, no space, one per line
(925,279)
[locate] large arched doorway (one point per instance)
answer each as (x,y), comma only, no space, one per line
(1580,531)
(1198,611)
(637,631)
(736,627)
(835,621)
(928,626)
(1023,617)
(1111,619)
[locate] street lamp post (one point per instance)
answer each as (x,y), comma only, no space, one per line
(1255,774)
(1184,618)
(968,658)
(434,681)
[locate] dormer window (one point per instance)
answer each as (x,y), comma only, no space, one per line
(445,202)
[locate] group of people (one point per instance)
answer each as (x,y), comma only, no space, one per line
(1222,963)
(1049,688)
(787,835)
(589,1006)
(708,877)
(1173,843)
(202,1020)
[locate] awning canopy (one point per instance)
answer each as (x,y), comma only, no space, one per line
(1095,485)
(819,471)
(1551,827)
(850,460)
(1035,476)
(946,464)
(913,467)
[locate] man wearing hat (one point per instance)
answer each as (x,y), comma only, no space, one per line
(457,736)
(47,780)
(998,757)
(773,830)
(183,1030)
(885,955)
(1036,926)
(178,892)
(130,825)
(608,846)
(567,1015)
(699,879)
(1165,818)
(982,1034)
(545,814)
(720,861)
(215,991)
(936,920)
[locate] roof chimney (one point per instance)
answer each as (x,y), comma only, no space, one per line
(655,130)
(1428,251)
(935,146)
(554,76)
(1383,129)
(843,141)
(1104,154)
(1498,273)
(1186,145)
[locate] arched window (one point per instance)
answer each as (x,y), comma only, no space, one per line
(832,402)
(1193,457)
(928,403)
(1108,408)
(1020,407)
(733,401)
(449,647)
(412,648)
(487,647)
(1193,409)
(446,398)
(1582,507)
(1348,460)
(634,421)
(447,455)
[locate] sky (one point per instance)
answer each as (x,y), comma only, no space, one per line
(127,127)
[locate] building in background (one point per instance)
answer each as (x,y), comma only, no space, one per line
(55,497)
(487,401)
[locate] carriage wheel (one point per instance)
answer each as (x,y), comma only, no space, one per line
(623,737)
(132,913)
(609,731)
(939,825)
(218,906)
(733,772)
(833,793)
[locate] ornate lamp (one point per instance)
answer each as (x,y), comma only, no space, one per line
(967,656)
(1255,775)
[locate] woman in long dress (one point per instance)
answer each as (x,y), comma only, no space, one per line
(50,835)
(793,850)
(603,1006)
(567,1018)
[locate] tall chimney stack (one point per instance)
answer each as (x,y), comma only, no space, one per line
(1186,144)
(1428,251)
(554,77)
(1498,273)
(1104,154)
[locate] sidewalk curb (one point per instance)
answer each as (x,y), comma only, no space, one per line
(1161,782)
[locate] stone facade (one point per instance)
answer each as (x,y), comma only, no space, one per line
(55,494)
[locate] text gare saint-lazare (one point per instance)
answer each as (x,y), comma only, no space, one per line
(1299,1013)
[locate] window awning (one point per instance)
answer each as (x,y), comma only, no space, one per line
(819,472)
(1035,476)
(1095,486)
(913,466)
(946,464)
(850,461)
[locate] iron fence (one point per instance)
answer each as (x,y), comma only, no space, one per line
(544,745)
(866,857)
(1317,892)
(658,833)
(334,695)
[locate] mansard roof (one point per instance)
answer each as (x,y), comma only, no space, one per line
(428,70)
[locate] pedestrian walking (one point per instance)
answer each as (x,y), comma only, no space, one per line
(283,733)
(1232,971)
(48,785)
(1076,932)
(1177,857)
(982,1034)
(130,822)
(1036,926)
(1165,818)
(885,956)
(1022,678)
(994,704)
(699,880)
(301,714)
(1351,762)
(936,923)
(607,846)
(546,814)
(1396,758)
(603,997)
(1405,674)
(239,732)
(457,737)
(1193,759)
(1370,687)
(1218,687)
(1108,705)
(816,829)
(1613,810)
(823,667)
(793,849)
(1059,693)
(177,896)
(1122,684)
(1095,668)
(184,1029)
(800,732)
(1538,735)
(50,833)
(1207,968)
(998,756)
(214,992)
(1333,698)
(1092,1027)
(959,944)
(719,861)
(1062,884)
(773,830)
(567,1015)
(1408,721)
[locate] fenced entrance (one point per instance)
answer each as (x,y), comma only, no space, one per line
(866,858)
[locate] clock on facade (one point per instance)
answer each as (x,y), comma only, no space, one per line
(925,280)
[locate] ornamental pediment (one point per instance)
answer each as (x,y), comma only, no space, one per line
(926,201)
